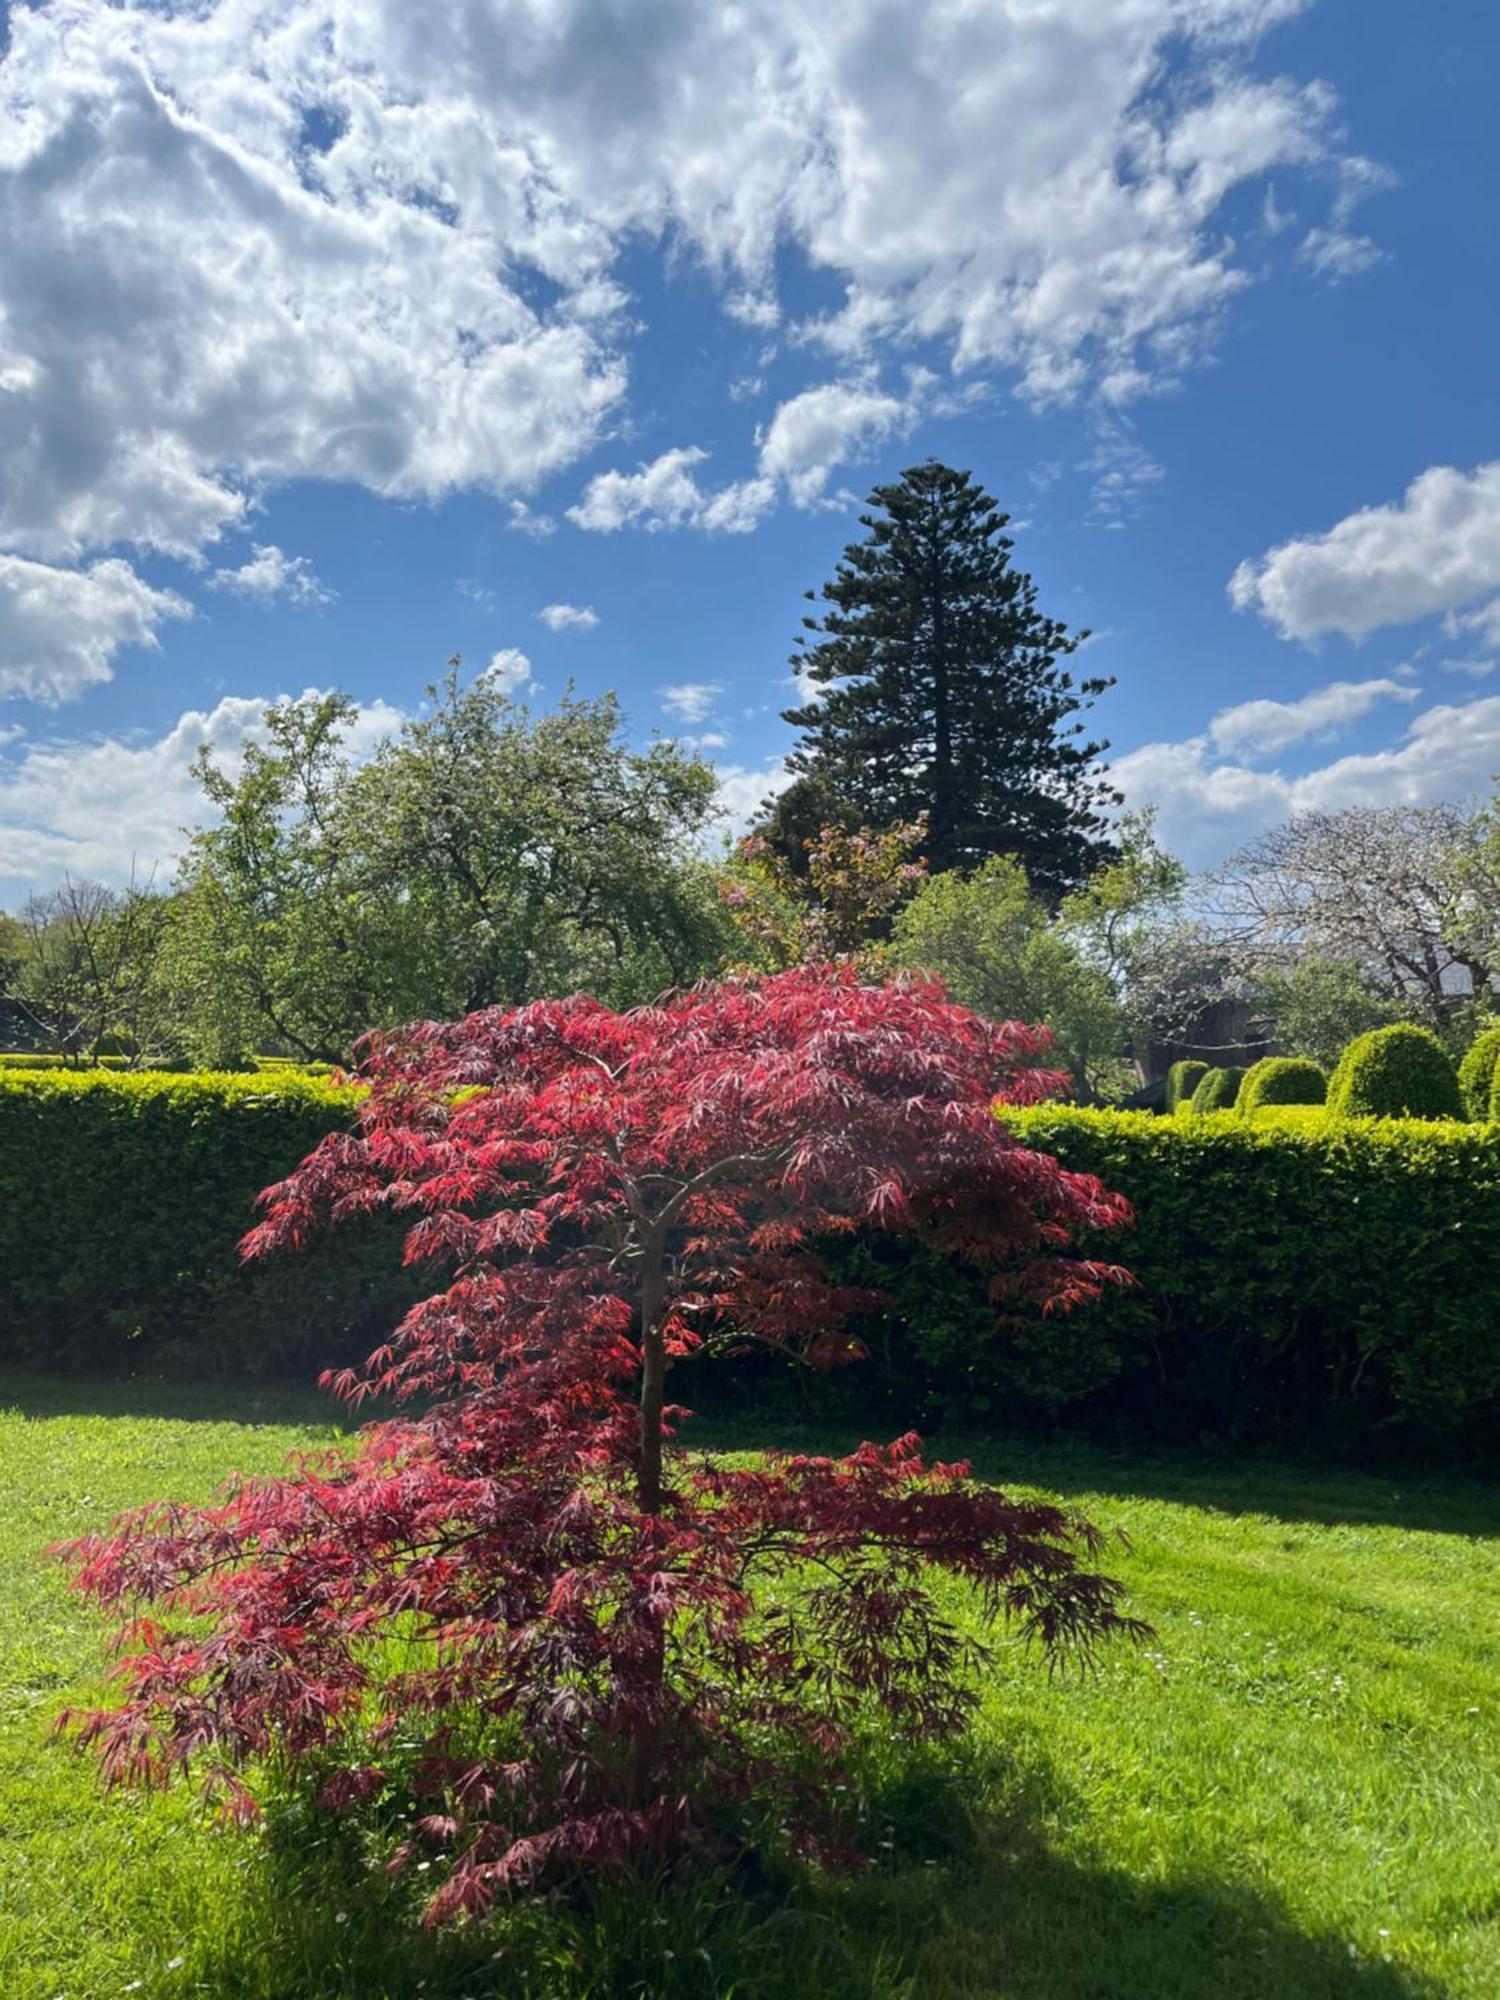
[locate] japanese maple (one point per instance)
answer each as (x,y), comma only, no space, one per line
(579,1641)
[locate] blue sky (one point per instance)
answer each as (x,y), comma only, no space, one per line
(339,335)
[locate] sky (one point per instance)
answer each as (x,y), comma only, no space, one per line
(339,336)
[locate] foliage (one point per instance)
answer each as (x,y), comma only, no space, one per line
(936,690)
(81,963)
(613,1192)
(478,855)
(1299,1280)
(1218,1089)
(1180,1819)
(1316,1006)
(122,1201)
(1183,1079)
(1282,1080)
(1476,1072)
(1402,1071)
(837,904)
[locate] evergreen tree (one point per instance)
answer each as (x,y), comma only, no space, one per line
(938,691)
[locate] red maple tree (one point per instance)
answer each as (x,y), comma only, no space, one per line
(577,1640)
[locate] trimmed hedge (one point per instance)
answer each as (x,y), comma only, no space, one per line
(1282,1080)
(1299,1281)
(122,1202)
(1218,1089)
(1182,1080)
(1476,1074)
(1398,1072)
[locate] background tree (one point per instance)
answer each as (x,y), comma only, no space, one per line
(609,1648)
(84,969)
(938,691)
(481,854)
(1316,1006)
(837,906)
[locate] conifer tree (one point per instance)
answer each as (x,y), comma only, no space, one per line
(938,689)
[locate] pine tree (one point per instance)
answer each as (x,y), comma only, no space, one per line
(938,690)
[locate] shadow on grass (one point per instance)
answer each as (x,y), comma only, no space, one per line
(180,1400)
(969,1903)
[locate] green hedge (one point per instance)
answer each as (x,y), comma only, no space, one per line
(1300,1280)
(1282,1080)
(1183,1079)
(1476,1073)
(1398,1072)
(1218,1089)
(122,1202)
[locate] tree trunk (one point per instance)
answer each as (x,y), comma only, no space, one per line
(653,1373)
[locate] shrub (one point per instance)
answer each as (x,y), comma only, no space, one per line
(1398,1072)
(1476,1074)
(1282,1080)
(588,1673)
(1218,1089)
(1300,1280)
(1182,1080)
(122,1202)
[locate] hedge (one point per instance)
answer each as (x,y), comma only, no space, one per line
(1183,1079)
(1282,1080)
(1218,1089)
(1300,1281)
(1476,1073)
(1398,1072)
(122,1202)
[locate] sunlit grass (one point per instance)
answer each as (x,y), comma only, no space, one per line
(1292,1791)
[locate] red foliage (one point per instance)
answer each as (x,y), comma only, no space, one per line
(597,1654)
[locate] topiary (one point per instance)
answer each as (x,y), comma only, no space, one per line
(1283,1080)
(1182,1080)
(1476,1074)
(1398,1072)
(1218,1089)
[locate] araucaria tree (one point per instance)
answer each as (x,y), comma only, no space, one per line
(937,688)
(556,1637)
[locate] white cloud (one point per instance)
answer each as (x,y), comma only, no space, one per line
(666,494)
(743,791)
(523,521)
(60,629)
(690,701)
(1436,549)
(1207,806)
(568,617)
(1256,726)
(271,573)
(825,427)
(1483,623)
(1336,254)
(108,808)
(1125,473)
(476,592)
(509,668)
(372,242)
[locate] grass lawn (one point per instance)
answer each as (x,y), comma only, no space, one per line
(1292,1791)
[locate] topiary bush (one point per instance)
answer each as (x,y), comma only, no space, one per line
(1218,1089)
(1476,1074)
(1283,1080)
(1398,1072)
(1182,1080)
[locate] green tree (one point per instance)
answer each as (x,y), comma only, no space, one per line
(938,690)
(480,856)
(82,968)
(838,905)
(1316,1006)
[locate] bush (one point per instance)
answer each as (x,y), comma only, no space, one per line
(1476,1074)
(1301,1281)
(122,1202)
(1218,1089)
(1182,1080)
(1398,1072)
(1283,1080)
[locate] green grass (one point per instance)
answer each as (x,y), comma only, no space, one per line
(1292,1791)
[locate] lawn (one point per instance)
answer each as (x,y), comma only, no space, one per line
(1293,1790)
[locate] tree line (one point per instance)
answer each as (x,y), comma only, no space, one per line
(949,808)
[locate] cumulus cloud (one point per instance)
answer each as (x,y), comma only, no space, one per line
(60,629)
(1436,549)
(1206,805)
(271,573)
(744,790)
(1258,726)
(568,617)
(690,701)
(509,669)
(824,428)
(108,808)
(362,241)
(667,493)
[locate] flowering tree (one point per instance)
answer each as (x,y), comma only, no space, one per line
(600,1644)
